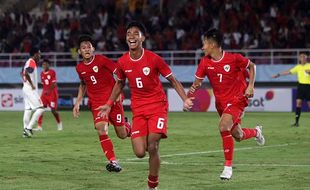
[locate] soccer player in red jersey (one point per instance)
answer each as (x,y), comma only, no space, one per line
(149,103)
(96,75)
(227,73)
(49,94)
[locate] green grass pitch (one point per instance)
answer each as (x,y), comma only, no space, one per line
(191,156)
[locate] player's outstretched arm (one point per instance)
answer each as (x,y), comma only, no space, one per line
(81,93)
(283,73)
(117,89)
(187,102)
(249,92)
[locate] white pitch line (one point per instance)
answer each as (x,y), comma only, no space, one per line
(213,151)
(207,164)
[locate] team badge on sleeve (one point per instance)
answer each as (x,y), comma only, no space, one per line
(95,68)
(227,68)
(146,71)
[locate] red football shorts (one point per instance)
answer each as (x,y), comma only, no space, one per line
(234,108)
(50,100)
(116,116)
(151,118)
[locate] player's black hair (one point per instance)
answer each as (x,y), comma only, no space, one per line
(138,25)
(33,51)
(215,35)
(85,38)
(46,61)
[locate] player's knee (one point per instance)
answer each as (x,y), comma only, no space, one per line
(224,127)
(101,129)
(238,139)
(121,132)
(238,135)
(140,154)
(121,135)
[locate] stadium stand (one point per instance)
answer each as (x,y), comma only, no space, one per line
(53,25)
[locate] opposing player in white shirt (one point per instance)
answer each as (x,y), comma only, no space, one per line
(30,91)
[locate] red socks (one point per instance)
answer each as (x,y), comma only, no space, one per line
(128,129)
(248,133)
(228,147)
(40,120)
(107,147)
(57,117)
(153,181)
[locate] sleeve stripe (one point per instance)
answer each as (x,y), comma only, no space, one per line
(168,75)
(248,64)
(119,78)
(199,77)
(114,70)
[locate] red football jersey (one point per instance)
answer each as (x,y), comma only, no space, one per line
(143,77)
(48,78)
(98,77)
(227,75)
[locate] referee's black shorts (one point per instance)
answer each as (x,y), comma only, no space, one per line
(303,92)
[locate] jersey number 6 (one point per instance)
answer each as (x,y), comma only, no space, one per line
(139,83)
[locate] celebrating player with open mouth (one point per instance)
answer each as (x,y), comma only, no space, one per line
(149,103)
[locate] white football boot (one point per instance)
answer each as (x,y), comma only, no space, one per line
(227,173)
(260,140)
(59,126)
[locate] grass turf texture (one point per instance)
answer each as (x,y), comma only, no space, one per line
(191,156)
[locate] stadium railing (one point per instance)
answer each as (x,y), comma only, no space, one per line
(191,57)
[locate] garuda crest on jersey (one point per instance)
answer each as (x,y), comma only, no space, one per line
(227,68)
(146,71)
(95,68)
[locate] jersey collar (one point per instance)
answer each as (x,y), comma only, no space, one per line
(90,61)
(138,58)
(216,61)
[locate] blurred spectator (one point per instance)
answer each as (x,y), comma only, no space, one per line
(171,24)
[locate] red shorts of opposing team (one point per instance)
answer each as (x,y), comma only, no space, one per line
(234,108)
(50,100)
(150,119)
(116,116)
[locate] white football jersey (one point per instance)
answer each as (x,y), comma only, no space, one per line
(34,78)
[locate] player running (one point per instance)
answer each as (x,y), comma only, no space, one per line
(96,75)
(49,94)
(149,103)
(227,75)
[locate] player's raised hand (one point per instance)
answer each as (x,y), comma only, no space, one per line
(104,110)
(76,110)
(249,92)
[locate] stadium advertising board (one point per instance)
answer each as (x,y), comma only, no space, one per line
(11,100)
(265,99)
